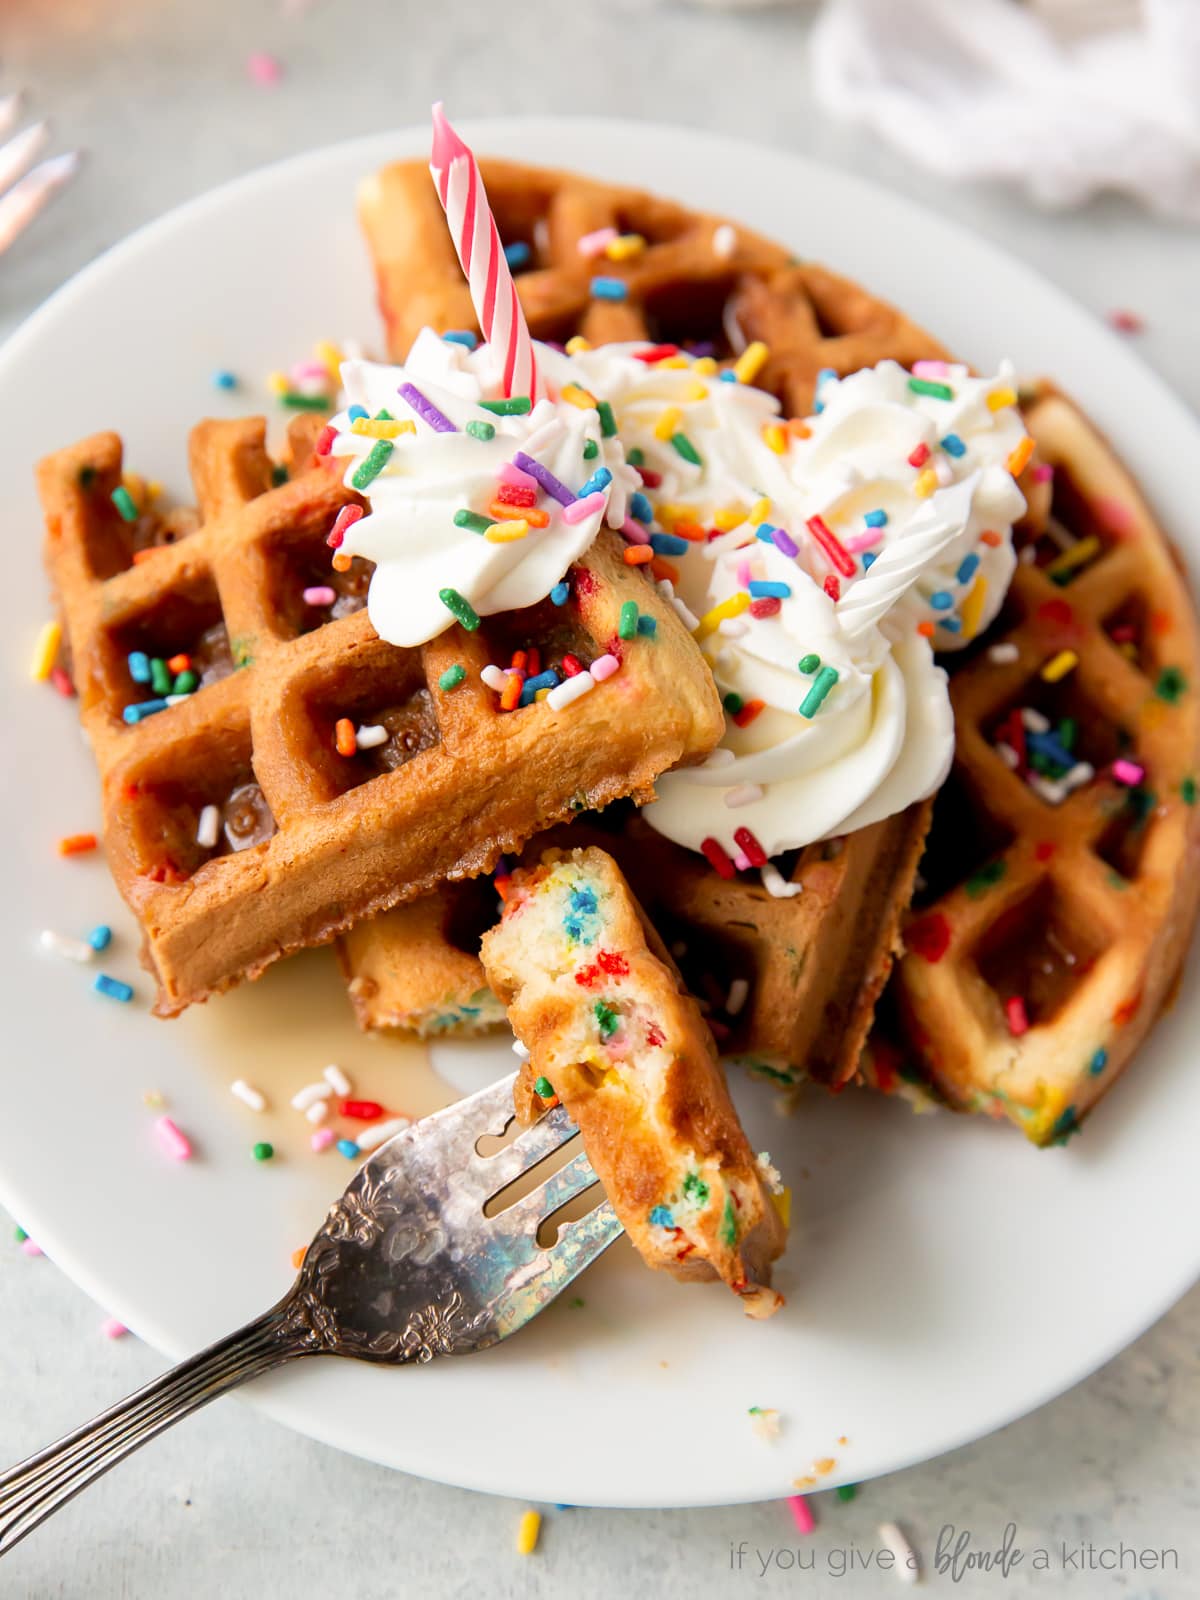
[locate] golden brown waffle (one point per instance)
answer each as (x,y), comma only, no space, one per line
(1052,928)
(593,995)
(788,982)
(416,968)
(454,784)
(815,963)
(684,286)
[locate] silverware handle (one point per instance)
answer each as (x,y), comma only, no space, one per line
(37,1487)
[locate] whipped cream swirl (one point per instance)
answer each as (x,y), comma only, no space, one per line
(459,460)
(819,563)
(876,531)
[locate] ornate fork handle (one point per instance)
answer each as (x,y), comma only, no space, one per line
(37,1487)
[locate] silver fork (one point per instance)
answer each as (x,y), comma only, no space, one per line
(406,1267)
(23,193)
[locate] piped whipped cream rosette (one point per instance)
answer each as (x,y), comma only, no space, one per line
(838,713)
(472,497)
(852,717)
(884,440)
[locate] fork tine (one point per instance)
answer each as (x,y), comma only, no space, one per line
(29,194)
(20,151)
(460,1126)
(549,1271)
(10,106)
(542,1202)
(487,1175)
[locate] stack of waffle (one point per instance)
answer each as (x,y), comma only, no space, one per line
(1059,887)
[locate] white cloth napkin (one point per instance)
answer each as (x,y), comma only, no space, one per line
(984,89)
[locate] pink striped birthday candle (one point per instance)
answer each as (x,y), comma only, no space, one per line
(473,229)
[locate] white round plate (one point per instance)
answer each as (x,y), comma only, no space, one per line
(943,1277)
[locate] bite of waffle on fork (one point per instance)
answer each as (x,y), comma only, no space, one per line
(611,1033)
(1064,865)
(312,840)
(815,960)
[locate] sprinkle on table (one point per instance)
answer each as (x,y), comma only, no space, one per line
(265,69)
(528,1530)
(77,844)
(62,944)
(223,379)
(908,1566)
(801,1513)
(45,651)
(1125,321)
(263,1150)
(460,608)
(112,988)
(173,1140)
(251,1097)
